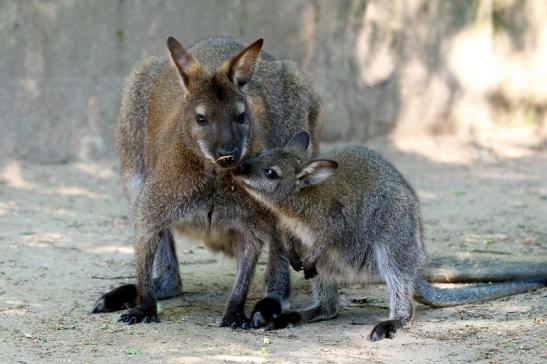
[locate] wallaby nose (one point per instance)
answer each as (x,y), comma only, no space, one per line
(227,156)
(242,169)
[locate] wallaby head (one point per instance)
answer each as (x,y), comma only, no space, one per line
(274,174)
(215,115)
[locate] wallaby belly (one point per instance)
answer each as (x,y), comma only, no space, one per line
(219,218)
(350,266)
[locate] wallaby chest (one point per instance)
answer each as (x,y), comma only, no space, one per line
(218,207)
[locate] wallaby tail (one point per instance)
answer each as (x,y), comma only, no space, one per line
(444,297)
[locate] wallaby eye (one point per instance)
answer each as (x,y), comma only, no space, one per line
(240,119)
(200,119)
(270,173)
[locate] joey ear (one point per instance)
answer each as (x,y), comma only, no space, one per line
(182,59)
(299,142)
(241,66)
(316,172)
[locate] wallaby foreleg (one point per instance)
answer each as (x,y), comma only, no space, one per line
(247,249)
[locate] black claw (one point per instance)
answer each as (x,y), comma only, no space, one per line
(265,310)
(120,298)
(294,259)
(258,321)
(268,314)
(145,313)
(385,329)
(310,271)
(284,320)
(99,306)
(235,320)
(296,263)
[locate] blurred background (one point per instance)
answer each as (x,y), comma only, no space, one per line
(453,92)
(473,69)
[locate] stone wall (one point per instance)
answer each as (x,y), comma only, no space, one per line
(381,66)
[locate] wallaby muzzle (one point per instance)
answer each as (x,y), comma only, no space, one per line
(242,169)
(227,158)
(226,161)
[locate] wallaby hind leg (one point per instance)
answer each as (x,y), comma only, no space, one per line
(166,276)
(326,301)
(325,307)
(145,237)
(278,284)
(400,283)
(167,282)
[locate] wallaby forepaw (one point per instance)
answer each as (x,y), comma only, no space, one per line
(120,298)
(265,310)
(236,320)
(310,271)
(385,329)
(145,313)
(296,263)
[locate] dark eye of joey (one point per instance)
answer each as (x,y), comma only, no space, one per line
(201,119)
(270,173)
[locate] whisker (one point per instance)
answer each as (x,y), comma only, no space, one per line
(224,157)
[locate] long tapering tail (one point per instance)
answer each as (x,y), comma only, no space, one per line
(444,297)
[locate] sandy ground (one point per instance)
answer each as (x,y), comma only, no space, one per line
(63,242)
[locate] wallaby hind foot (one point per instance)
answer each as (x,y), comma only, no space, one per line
(385,329)
(145,312)
(236,319)
(167,283)
(120,298)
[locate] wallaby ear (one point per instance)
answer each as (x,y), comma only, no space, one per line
(316,172)
(241,66)
(299,142)
(182,59)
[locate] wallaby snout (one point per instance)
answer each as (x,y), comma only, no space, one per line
(243,168)
(227,156)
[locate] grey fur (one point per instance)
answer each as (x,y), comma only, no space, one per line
(358,220)
(445,297)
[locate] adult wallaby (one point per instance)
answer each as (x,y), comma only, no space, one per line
(358,219)
(184,121)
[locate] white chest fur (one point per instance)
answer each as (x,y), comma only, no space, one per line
(299,229)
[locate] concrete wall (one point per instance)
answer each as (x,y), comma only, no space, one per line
(380,66)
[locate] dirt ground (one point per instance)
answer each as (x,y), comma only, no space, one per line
(63,242)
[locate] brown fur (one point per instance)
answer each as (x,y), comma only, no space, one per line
(172,181)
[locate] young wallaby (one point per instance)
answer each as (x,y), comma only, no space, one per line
(359,220)
(184,121)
